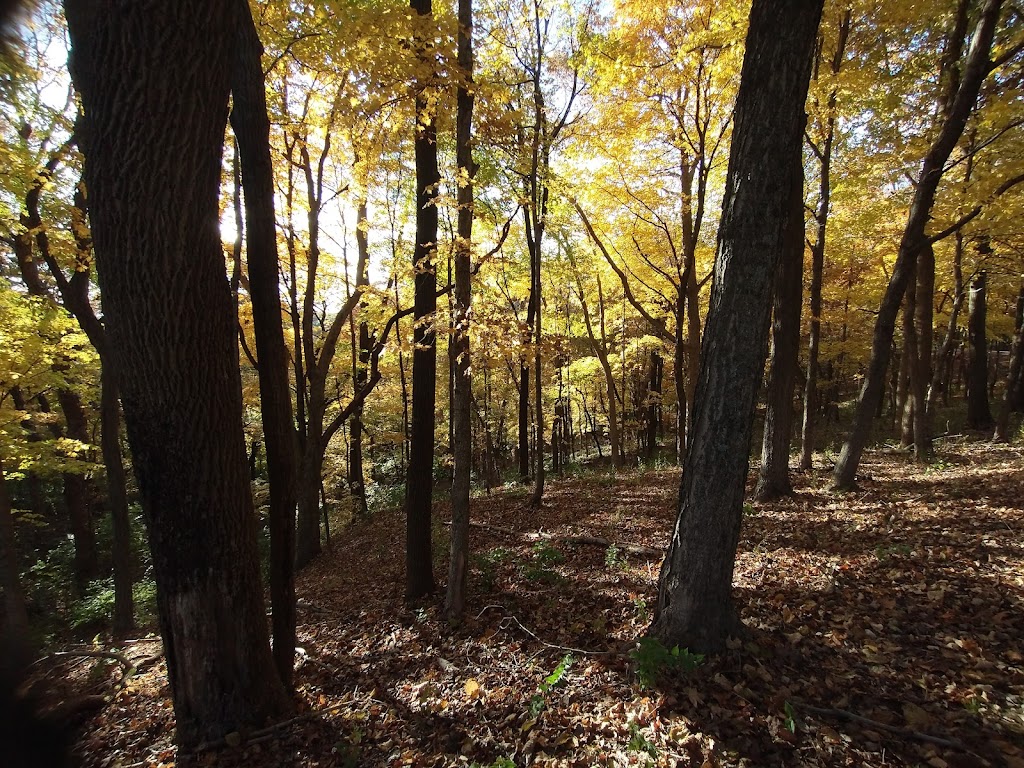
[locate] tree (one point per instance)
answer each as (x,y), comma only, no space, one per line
(695,607)
(961,100)
(979,415)
(154,183)
(419,483)
(462,397)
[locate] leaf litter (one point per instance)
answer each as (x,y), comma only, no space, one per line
(884,626)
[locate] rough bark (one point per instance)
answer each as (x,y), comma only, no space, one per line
(695,606)
(154,82)
(462,398)
(419,485)
(1002,432)
(773,478)
(913,239)
(251,126)
(979,414)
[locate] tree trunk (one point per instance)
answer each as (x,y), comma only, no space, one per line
(14,627)
(979,415)
(153,179)
(654,402)
(252,130)
(921,359)
(914,238)
(117,496)
(773,479)
(76,493)
(462,398)
(419,485)
(1002,433)
(695,607)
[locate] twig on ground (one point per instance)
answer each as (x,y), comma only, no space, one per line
(910,733)
(510,615)
(598,541)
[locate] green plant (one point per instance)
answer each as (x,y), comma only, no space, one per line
(613,557)
(543,555)
(643,611)
(883,552)
(539,700)
(790,717)
(639,743)
(653,659)
(500,762)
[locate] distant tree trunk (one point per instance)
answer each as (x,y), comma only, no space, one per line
(810,414)
(356,475)
(419,484)
(773,479)
(944,357)
(1002,433)
(921,359)
(252,130)
(153,184)
(654,402)
(524,417)
(117,482)
(979,415)
(462,398)
(76,493)
(695,607)
(14,627)
(903,413)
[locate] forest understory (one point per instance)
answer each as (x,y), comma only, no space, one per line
(884,630)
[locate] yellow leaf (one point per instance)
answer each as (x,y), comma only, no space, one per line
(473,689)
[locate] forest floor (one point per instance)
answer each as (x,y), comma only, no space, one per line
(885,628)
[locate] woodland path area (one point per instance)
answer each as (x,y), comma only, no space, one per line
(885,629)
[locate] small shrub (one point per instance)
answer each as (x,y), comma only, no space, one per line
(653,659)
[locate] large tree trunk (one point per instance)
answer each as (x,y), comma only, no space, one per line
(252,129)
(979,415)
(961,103)
(153,178)
(773,479)
(419,484)
(695,607)
(462,398)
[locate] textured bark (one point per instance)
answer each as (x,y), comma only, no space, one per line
(979,414)
(419,484)
(773,478)
(695,606)
(76,492)
(913,239)
(117,496)
(462,397)
(251,126)
(154,83)
(921,352)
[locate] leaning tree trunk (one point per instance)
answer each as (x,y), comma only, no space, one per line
(419,484)
(695,606)
(773,479)
(979,415)
(153,184)
(914,238)
(252,129)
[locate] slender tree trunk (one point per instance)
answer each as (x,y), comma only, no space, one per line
(117,482)
(654,403)
(419,485)
(921,360)
(252,130)
(903,413)
(462,399)
(979,415)
(76,493)
(961,105)
(773,479)
(356,477)
(14,627)
(695,607)
(153,183)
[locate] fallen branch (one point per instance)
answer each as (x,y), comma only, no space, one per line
(597,541)
(555,646)
(909,733)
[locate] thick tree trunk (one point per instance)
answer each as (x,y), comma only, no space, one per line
(462,398)
(252,130)
(419,484)
(154,82)
(695,607)
(773,479)
(979,414)
(913,239)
